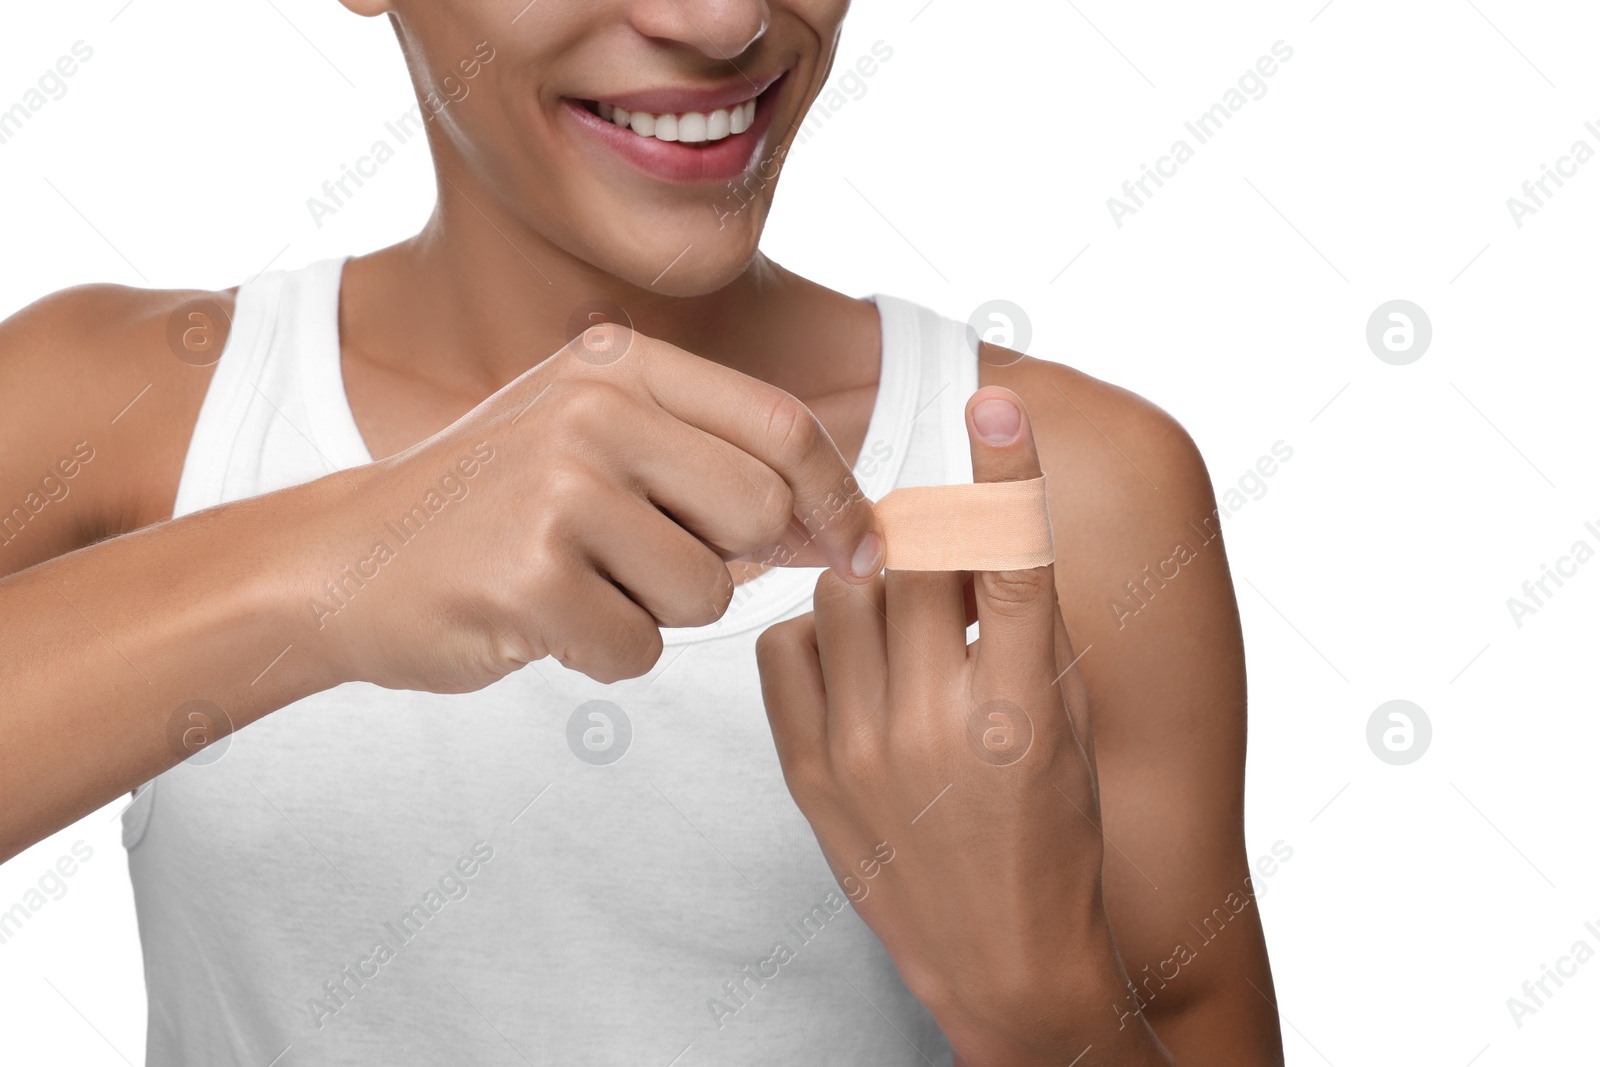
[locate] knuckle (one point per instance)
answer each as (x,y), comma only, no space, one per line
(623,336)
(778,643)
(831,593)
(583,407)
(835,598)
(1016,593)
(566,487)
(792,429)
(542,570)
(643,342)
(498,601)
(536,571)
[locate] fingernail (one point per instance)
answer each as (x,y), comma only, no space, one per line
(868,559)
(997,420)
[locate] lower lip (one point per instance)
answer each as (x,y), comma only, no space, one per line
(672,161)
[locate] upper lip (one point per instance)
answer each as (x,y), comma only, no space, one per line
(681,101)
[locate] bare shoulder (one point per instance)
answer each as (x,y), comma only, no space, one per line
(1074,408)
(100,386)
(1127,482)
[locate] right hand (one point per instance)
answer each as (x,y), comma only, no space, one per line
(576,511)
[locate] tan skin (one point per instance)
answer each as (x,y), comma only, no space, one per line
(119,630)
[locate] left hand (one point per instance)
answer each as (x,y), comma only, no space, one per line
(952,787)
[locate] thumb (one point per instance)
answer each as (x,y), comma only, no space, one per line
(1016,609)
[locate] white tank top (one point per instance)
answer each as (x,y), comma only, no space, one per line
(517,875)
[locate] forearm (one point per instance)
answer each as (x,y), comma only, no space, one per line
(1062,1021)
(1135,1046)
(1090,1007)
(105,646)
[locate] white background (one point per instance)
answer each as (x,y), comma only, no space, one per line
(977,164)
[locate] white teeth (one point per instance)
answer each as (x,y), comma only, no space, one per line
(691,127)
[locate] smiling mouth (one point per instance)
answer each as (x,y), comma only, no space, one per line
(691,128)
(687,127)
(681,135)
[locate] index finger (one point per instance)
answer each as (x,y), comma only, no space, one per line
(833,522)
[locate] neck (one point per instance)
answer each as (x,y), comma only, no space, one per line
(477,297)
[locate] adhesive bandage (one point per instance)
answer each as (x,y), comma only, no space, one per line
(983,526)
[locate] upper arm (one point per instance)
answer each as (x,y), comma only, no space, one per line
(1146,593)
(95,417)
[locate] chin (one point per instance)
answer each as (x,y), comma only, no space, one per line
(696,259)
